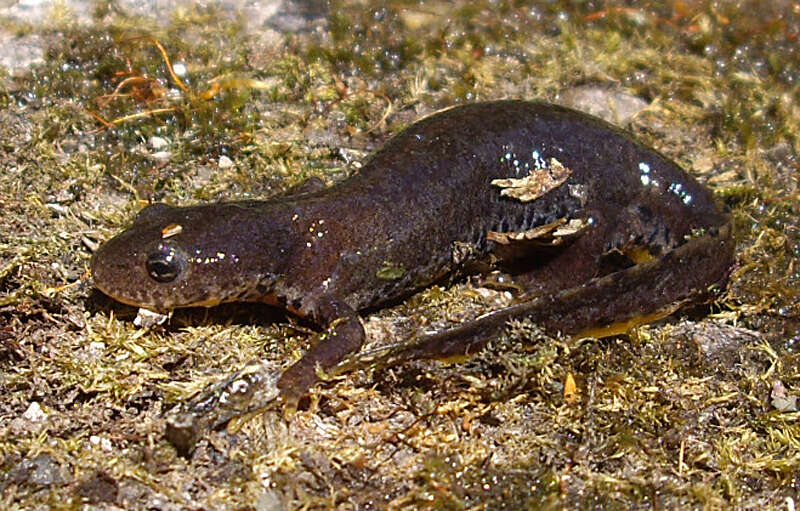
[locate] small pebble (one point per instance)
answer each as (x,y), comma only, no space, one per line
(225,162)
(158,142)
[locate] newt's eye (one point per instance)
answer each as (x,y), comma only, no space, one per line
(165,263)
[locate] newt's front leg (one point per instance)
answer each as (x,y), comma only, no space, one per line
(343,336)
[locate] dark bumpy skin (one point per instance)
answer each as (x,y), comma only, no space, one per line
(420,210)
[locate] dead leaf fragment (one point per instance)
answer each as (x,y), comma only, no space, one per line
(553,233)
(781,399)
(571,395)
(536,184)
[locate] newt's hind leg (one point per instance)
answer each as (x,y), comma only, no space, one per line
(551,262)
(596,247)
(600,307)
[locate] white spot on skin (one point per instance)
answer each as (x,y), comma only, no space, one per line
(677,189)
(539,163)
(646,178)
(219,256)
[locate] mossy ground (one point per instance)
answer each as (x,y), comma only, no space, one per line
(676,415)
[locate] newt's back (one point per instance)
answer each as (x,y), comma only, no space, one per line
(426,197)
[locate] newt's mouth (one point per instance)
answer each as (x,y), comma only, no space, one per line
(159,304)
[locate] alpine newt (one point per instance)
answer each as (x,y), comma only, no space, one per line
(606,233)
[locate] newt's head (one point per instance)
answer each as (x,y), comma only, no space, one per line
(181,257)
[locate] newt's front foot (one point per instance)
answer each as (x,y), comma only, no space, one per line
(344,336)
